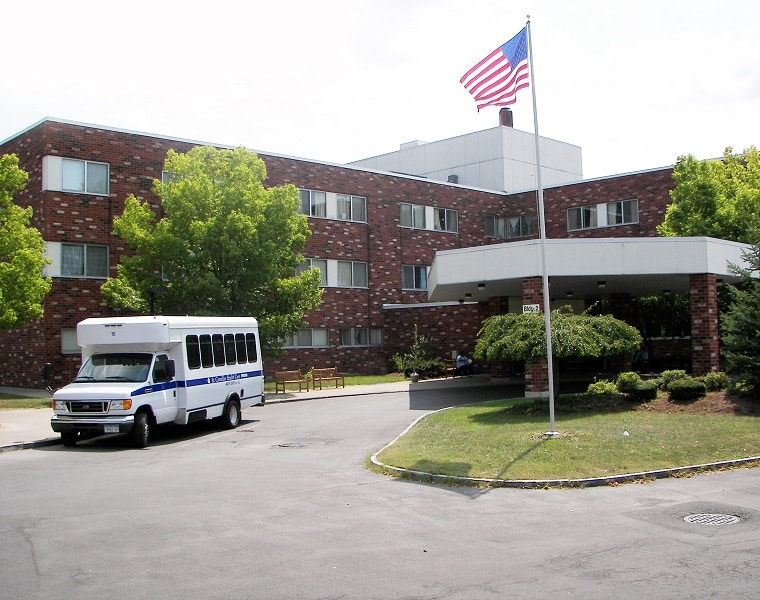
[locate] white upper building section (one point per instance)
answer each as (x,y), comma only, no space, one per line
(501,159)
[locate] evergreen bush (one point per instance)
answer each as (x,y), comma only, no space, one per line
(627,381)
(686,389)
(715,381)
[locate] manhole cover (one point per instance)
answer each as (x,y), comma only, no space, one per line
(711,519)
(291,445)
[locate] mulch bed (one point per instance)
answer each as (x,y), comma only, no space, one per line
(713,403)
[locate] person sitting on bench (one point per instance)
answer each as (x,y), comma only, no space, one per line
(464,365)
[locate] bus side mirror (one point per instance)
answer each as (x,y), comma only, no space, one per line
(47,371)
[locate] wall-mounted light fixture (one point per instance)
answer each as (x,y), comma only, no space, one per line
(481,286)
(666,292)
(601,284)
(468,295)
(569,294)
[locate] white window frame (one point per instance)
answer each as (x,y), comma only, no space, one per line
(305,338)
(496,227)
(316,203)
(446,219)
(416,275)
(587,217)
(85,271)
(351,208)
(358,270)
(315,263)
(86,184)
(53,168)
(413,216)
(619,208)
(361,336)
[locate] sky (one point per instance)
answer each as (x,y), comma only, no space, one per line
(634,84)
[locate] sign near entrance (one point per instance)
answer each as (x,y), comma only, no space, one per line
(531,308)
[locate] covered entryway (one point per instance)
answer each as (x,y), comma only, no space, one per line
(597,268)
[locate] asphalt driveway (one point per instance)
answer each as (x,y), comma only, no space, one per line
(284,507)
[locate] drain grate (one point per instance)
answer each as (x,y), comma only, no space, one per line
(711,519)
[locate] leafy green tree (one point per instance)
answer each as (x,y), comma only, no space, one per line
(521,337)
(740,326)
(223,245)
(22,253)
(715,198)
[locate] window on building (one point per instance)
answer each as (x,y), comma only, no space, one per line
(581,217)
(496,227)
(168,177)
(315,263)
(82,260)
(623,212)
(413,277)
(69,343)
(445,219)
(84,176)
(313,204)
(413,215)
(521,226)
(352,208)
(314,337)
(352,274)
(361,336)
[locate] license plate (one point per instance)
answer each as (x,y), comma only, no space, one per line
(110,428)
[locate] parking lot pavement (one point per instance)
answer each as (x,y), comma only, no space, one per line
(30,428)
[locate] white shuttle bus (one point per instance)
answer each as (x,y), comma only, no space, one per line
(138,372)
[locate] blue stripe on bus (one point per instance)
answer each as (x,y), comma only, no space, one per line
(170,385)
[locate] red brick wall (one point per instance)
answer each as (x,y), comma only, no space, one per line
(136,159)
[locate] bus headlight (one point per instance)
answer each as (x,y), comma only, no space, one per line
(121,404)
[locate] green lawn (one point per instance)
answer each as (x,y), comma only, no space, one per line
(492,441)
(7,402)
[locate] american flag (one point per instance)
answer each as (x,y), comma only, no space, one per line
(496,79)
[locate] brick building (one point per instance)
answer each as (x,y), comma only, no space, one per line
(375,236)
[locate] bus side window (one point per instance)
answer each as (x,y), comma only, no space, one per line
(250,342)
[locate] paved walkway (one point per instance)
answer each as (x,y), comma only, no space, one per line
(29,428)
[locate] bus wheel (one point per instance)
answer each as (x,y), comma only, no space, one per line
(141,430)
(69,438)
(231,416)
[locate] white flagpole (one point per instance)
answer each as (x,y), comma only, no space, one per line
(545,274)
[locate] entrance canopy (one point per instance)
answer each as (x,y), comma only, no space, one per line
(583,268)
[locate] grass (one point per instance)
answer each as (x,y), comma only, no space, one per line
(8,402)
(502,440)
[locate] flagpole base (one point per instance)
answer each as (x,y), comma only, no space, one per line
(552,434)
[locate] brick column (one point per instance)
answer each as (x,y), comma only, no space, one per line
(705,343)
(536,372)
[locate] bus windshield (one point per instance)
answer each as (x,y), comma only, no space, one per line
(123,366)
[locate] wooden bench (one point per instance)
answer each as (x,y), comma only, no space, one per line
(449,368)
(329,374)
(283,378)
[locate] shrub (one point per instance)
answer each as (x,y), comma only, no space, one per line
(686,389)
(715,381)
(644,390)
(601,388)
(627,381)
(666,377)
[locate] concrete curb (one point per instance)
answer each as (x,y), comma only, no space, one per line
(29,445)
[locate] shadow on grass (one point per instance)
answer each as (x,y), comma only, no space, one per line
(569,406)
